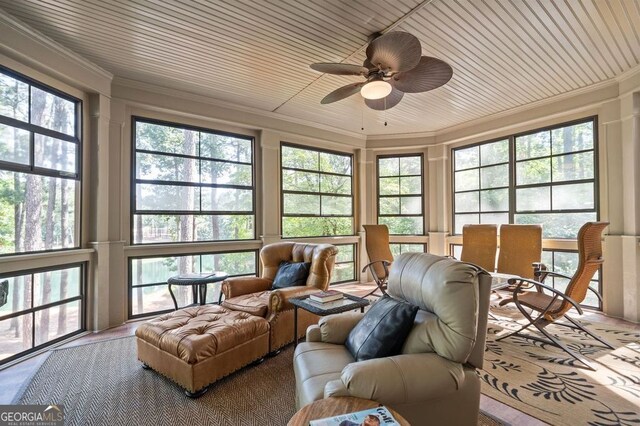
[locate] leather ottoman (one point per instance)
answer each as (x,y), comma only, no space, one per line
(198,345)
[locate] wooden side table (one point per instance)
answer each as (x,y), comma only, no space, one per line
(334,406)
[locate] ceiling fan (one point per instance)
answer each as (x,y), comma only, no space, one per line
(394,66)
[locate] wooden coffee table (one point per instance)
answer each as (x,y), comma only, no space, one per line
(337,405)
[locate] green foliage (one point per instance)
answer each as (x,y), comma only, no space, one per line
(212,168)
(310,171)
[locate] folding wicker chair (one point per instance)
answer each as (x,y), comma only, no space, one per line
(380,256)
(551,307)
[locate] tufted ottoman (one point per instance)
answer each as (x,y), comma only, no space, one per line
(198,345)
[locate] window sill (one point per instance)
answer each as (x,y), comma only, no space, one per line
(21,262)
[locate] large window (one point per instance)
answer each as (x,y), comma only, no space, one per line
(400,203)
(42,307)
(481,188)
(317,192)
(40,167)
(149,293)
(191,184)
(547,177)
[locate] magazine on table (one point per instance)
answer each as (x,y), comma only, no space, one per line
(374,416)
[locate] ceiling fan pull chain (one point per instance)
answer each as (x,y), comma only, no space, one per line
(362,117)
(385,112)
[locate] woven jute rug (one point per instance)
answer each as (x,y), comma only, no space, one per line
(104,384)
(544,382)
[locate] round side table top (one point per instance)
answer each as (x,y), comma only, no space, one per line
(334,406)
(195,278)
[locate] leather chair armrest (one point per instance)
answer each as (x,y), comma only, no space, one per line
(237,286)
(335,328)
(403,379)
(279,299)
(335,388)
(313,333)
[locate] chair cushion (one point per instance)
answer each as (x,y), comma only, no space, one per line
(291,274)
(253,303)
(382,330)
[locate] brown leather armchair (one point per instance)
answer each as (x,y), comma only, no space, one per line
(254,295)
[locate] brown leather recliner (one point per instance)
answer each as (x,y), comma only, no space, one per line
(254,295)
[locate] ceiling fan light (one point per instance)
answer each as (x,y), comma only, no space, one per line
(376,89)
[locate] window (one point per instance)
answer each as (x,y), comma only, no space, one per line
(345,267)
(43,307)
(400,203)
(481,189)
(317,192)
(149,293)
(547,177)
(191,184)
(40,167)
(398,248)
(555,179)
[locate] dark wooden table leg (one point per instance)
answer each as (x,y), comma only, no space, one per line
(194,292)
(203,294)
(362,310)
(295,326)
(175,302)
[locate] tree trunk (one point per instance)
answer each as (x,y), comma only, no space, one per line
(64,278)
(33,214)
(18,282)
(138,238)
(43,329)
(185,264)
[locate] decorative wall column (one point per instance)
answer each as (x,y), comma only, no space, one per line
(366,206)
(620,183)
(107,296)
(270,144)
(438,171)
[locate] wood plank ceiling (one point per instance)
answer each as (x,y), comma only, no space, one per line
(504,53)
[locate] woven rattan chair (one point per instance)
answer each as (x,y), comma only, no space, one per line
(380,256)
(479,245)
(554,306)
(520,247)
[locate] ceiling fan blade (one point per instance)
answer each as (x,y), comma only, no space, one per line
(395,51)
(342,92)
(392,100)
(340,69)
(429,74)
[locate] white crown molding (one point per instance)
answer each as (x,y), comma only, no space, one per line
(164,90)
(630,73)
(52,45)
(510,112)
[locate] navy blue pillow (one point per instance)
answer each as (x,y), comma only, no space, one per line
(383,329)
(291,274)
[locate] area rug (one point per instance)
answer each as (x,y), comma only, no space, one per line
(103,384)
(545,382)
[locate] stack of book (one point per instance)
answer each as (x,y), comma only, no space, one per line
(326,296)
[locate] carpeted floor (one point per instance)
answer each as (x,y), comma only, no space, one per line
(541,380)
(103,384)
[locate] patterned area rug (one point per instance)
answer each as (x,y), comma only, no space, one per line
(544,382)
(104,384)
